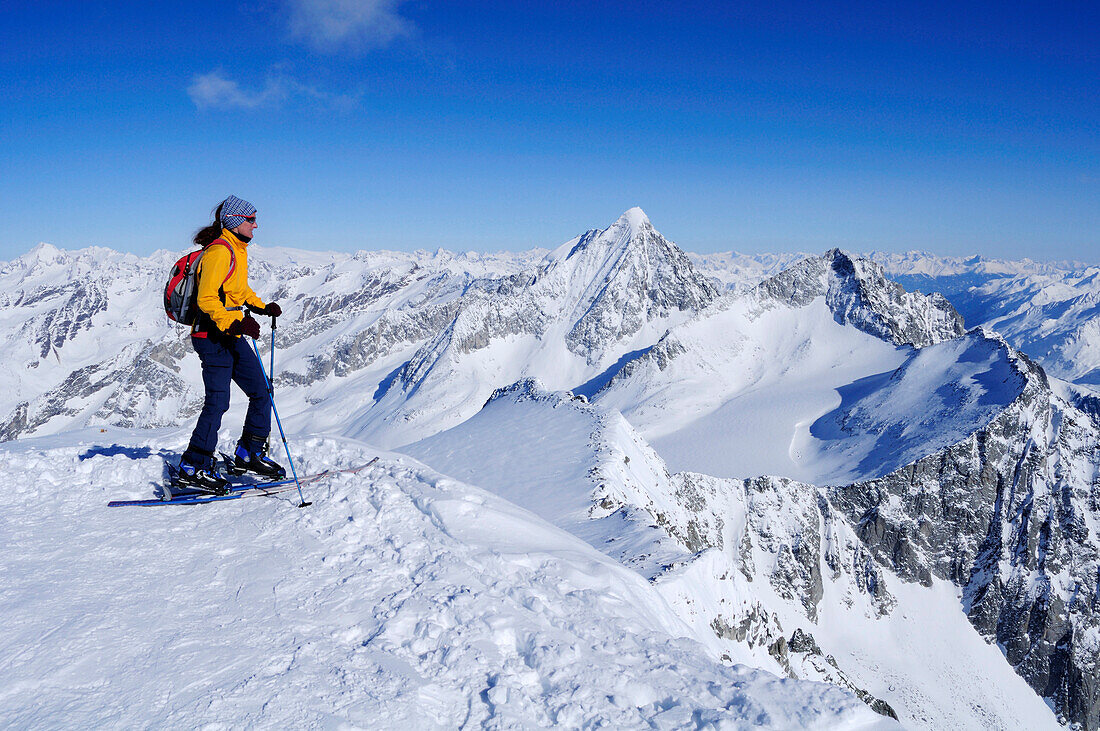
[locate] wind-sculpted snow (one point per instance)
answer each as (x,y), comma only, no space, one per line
(401,599)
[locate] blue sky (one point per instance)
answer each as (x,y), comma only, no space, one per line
(958,128)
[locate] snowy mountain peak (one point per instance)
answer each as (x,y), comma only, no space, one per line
(620,279)
(858,292)
(630,231)
(43,253)
(636,219)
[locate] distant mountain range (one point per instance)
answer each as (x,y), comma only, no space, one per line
(878,471)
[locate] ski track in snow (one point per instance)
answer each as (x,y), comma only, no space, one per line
(400,599)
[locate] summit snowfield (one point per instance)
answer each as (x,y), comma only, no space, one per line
(741,468)
(402,599)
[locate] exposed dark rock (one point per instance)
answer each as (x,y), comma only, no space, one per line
(858,293)
(1006,515)
(803,647)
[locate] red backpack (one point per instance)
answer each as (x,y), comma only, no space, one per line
(181,292)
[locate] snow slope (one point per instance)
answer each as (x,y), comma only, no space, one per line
(746,385)
(401,599)
(1046,309)
(936,398)
(743,578)
(740,389)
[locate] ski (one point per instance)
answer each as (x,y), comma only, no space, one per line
(189,496)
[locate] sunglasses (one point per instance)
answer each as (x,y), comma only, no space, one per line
(250,219)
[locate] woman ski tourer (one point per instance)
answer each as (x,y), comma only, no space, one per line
(225,301)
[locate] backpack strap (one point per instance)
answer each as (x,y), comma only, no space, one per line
(232,266)
(196,330)
(232,258)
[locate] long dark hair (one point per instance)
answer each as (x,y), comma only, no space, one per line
(206,235)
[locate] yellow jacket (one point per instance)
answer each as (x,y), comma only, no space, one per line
(213,268)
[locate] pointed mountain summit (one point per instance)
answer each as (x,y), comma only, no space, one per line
(858,293)
(618,235)
(566,321)
(620,278)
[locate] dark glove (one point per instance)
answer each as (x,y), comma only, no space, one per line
(272,309)
(247,326)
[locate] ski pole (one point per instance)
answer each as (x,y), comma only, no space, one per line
(271,398)
(271,370)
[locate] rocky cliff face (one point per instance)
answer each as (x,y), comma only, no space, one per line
(858,293)
(1010,515)
(624,277)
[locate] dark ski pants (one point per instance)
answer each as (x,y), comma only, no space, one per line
(224,360)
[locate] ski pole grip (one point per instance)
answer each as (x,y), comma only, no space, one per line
(273,318)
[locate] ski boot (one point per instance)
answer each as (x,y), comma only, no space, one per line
(201,477)
(251,456)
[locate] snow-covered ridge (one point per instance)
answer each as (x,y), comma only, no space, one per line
(401,599)
(764,571)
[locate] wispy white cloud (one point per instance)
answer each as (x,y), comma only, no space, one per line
(215,90)
(347,25)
